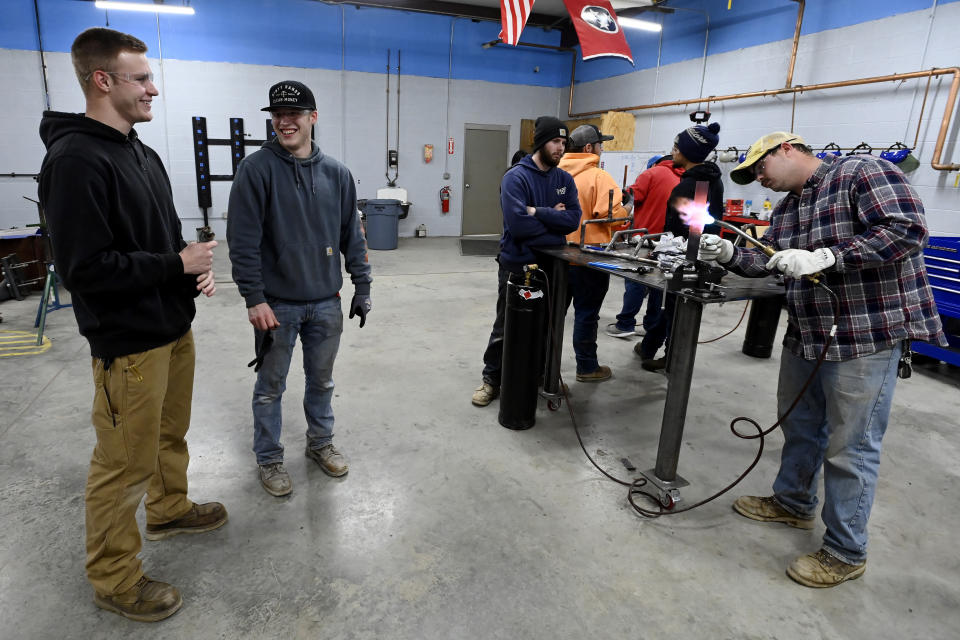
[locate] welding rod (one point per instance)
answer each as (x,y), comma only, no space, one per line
(746,236)
(767,250)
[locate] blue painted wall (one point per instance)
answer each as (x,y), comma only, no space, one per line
(305,33)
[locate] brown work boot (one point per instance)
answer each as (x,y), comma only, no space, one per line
(821,569)
(767,509)
(599,374)
(200,518)
(330,460)
(146,601)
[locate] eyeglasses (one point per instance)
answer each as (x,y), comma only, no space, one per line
(133,78)
(761,164)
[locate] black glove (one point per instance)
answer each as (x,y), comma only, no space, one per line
(627,197)
(262,342)
(360,306)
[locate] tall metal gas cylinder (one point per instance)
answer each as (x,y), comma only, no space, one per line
(524,331)
(762,326)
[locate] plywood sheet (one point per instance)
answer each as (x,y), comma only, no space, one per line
(620,125)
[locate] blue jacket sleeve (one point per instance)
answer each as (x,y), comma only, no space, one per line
(513,202)
(566,220)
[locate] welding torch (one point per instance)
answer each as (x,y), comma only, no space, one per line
(767,250)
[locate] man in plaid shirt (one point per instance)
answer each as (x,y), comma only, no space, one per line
(858,226)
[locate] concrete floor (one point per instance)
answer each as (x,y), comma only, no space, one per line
(450,526)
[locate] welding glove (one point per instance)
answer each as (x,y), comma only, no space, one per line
(360,306)
(795,263)
(715,248)
(263,340)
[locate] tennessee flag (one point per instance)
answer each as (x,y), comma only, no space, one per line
(513,17)
(598,29)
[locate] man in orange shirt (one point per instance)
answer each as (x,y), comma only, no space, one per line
(587,286)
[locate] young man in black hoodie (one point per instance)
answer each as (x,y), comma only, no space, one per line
(118,247)
(690,150)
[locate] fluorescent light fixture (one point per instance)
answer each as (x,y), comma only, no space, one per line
(634,23)
(143,6)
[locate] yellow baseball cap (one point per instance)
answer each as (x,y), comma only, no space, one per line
(743,173)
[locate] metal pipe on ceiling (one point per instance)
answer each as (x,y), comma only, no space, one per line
(894,77)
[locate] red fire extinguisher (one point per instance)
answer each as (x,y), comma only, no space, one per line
(445,199)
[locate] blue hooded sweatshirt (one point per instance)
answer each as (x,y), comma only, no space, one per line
(523,185)
(289,220)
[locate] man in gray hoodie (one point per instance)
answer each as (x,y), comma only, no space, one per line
(293,211)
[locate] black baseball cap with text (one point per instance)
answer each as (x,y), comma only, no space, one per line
(290,94)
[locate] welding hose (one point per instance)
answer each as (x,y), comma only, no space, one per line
(635,486)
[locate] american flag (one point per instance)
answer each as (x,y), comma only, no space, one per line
(513,16)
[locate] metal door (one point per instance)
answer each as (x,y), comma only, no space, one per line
(486,156)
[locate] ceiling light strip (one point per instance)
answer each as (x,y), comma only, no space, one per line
(148,8)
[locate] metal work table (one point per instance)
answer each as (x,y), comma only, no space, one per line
(681,353)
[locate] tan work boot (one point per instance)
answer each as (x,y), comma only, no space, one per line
(146,601)
(599,374)
(200,518)
(485,394)
(330,460)
(767,509)
(821,569)
(275,479)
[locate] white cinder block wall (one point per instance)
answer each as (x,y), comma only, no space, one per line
(352,128)
(878,114)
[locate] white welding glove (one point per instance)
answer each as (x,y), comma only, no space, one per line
(715,248)
(795,263)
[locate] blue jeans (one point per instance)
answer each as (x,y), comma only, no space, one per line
(633,295)
(839,425)
(319,325)
(586,288)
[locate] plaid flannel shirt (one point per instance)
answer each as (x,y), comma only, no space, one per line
(864,211)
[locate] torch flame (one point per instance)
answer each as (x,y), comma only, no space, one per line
(694,214)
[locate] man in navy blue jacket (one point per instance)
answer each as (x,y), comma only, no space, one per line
(540,206)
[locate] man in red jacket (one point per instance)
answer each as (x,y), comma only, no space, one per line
(650,194)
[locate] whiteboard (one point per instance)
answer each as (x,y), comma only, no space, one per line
(613,163)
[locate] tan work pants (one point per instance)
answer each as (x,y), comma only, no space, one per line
(141,412)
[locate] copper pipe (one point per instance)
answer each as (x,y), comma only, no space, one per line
(922,107)
(945,123)
(895,77)
(796,42)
